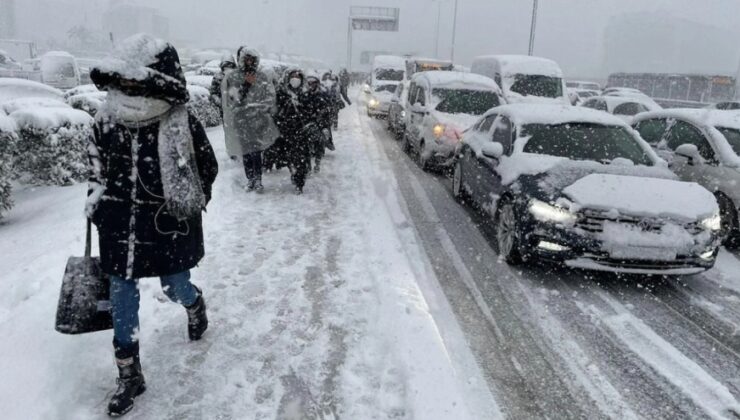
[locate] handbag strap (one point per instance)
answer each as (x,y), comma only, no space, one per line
(88,239)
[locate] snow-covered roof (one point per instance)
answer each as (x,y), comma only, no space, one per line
(700,117)
(523,114)
(524,64)
(389,61)
(456,80)
(49,118)
(11,88)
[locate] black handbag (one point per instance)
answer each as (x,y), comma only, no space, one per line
(84,301)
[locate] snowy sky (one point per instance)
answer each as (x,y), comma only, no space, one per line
(570,31)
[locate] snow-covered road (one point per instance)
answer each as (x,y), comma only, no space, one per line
(566,344)
(322,306)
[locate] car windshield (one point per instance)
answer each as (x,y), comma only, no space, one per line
(536,85)
(385,88)
(733,137)
(584,141)
(389,74)
(465,101)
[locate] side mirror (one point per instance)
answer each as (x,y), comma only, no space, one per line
(691,153)
(493,150)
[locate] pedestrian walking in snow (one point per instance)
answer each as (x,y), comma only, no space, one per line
(152,168)
(292,119)
(344,81)
(215,90)
(331,85)
(318,110)
(249,106)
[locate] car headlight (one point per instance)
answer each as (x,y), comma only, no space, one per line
(403,114)
(713,223)
(373,102)
(438,130)
(548,213)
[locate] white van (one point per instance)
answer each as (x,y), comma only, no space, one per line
(59,69)
(388,69)
(523,78)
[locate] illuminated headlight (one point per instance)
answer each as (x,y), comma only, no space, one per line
(708,255)
(373,103)
(547,213)
(552,246)
(713,223)
(438,130)
(403,114)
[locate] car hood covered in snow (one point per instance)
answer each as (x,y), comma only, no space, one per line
(639,196)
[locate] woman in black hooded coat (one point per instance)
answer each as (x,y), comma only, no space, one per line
(152,168)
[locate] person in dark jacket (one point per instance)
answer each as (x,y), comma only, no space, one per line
(318,113)
(152,169)
(331,85)
(292,119)
(344,81)
(215,90)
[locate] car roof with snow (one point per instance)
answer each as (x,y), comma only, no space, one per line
(455,80)
(12,88)
(389,61)
(551,114)
(700,117)
(524,64)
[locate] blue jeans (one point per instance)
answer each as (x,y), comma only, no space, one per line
(124,297)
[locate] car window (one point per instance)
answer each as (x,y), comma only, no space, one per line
(502,133)
(399,90)
(412,94)
(596,104)
(421,96)
(685,133)
(584,141)
(630,109)
(385,88)
(464,101)
(733,138)
(537,85)
(652,131)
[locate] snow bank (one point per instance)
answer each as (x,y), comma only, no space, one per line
(646,197)
(13,105)
(53,146)
(201,106)
(11,88)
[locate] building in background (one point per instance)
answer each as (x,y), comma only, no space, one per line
(124,20)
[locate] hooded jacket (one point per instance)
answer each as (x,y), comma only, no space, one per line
(248,109)
(138,236)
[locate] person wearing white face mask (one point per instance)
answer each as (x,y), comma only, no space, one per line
(152,169)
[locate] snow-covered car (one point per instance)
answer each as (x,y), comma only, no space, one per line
(624,107)
(80,90)
(397,110)
(701,146)
(211,68)
(580,187)
(583,85)
(726,106)
(635,94)
(440,106)
(59,69)
(7,62)
(380,99)
(11,88)
(577,96)
(9,107)
(524,78)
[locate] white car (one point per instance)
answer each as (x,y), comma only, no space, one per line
(441,105)
(524,79)
(576,186)
(702,146)
(12,89)
(60,70)
(624,107)
(380,98)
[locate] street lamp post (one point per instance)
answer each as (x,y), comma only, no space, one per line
(533,29)
(436,37)
(454,33)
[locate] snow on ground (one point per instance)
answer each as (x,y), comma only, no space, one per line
(317,306)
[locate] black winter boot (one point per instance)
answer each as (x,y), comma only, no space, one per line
(258,186)
(130,380)
(197,317)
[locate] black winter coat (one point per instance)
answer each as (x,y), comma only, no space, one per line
(318,108)
(291,116)
(131,217)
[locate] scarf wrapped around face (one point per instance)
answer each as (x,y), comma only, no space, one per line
(181,184)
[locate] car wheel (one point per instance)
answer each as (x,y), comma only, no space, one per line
(421,156)
(406,146)
(730,228)
(458,187)
(508,233)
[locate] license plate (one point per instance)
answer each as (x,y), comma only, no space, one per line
(643,253)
